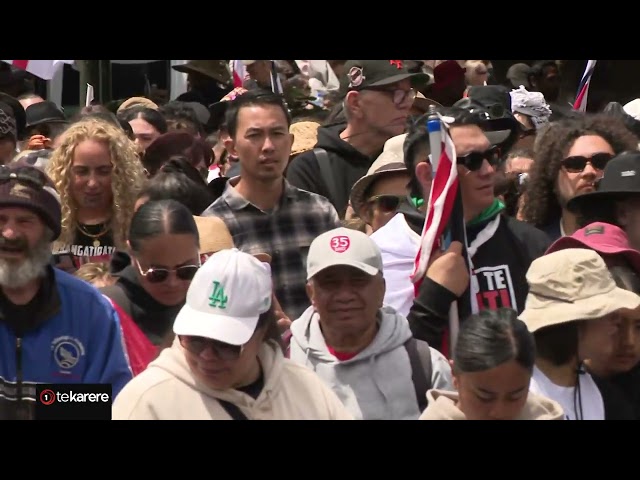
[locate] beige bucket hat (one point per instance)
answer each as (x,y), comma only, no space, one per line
(305,136)
(214,235)
(390,160)
(572,285)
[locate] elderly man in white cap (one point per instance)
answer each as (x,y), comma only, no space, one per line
(226,362)
(573,310)
(365,352)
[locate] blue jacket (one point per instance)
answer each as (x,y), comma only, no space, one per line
(73,336)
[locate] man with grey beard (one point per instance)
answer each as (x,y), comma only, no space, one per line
(54,328)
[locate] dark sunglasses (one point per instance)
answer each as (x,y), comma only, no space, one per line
(387,203)
(223,351)
(159,275)
(473,161)
(578,163)
(30,175)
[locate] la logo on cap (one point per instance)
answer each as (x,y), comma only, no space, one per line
(340,243)
(218,299)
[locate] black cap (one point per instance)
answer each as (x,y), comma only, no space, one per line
(500,126)
(44,112)
(16,110)
(361,74)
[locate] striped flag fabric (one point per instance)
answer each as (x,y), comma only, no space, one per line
(44,69)
(580,104)
(239,73)
(444,224)
(442,197)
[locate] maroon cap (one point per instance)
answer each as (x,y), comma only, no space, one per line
(603,238)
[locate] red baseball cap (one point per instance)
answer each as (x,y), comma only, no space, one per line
(603,238)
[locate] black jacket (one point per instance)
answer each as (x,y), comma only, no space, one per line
(347,164)
(154,319)
(500,264)
(629,385)
(616,405)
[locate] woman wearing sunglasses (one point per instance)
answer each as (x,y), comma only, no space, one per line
(227,361)
(164,248)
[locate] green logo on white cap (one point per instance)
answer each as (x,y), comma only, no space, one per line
(218,298)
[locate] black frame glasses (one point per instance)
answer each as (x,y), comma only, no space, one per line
(577,163)
(398,95)
(473,161)
(159,275)
(197,345)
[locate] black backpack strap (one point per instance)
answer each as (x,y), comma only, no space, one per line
(421,369)
(232,409)
(325,170)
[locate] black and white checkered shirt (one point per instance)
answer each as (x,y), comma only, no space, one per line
(285,233)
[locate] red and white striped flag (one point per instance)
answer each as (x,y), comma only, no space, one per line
(44,69)
(580,103)
(239,73)
(442,199)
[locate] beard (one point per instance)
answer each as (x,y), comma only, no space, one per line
(17,273)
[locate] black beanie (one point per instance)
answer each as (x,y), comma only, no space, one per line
(29,187)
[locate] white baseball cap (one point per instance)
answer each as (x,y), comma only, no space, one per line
(344,246)
(226,297)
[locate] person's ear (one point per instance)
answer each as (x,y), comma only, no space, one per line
(230,145)
(353,103)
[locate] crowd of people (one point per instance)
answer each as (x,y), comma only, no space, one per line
(243,252)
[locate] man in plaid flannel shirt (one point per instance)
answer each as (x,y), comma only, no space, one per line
(263,212)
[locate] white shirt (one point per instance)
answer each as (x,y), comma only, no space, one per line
(399,246)
(589,398)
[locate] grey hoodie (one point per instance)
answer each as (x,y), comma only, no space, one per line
(376,384)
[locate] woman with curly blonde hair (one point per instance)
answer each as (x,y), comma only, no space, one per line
(570,158)
(98,175)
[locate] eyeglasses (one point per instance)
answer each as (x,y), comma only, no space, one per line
(29,175)
(223,351)
(159,275)
(387,203)
(473,161)
(398,95)
(578,163)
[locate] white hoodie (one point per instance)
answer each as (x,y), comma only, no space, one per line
(167,390)
(376,384)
